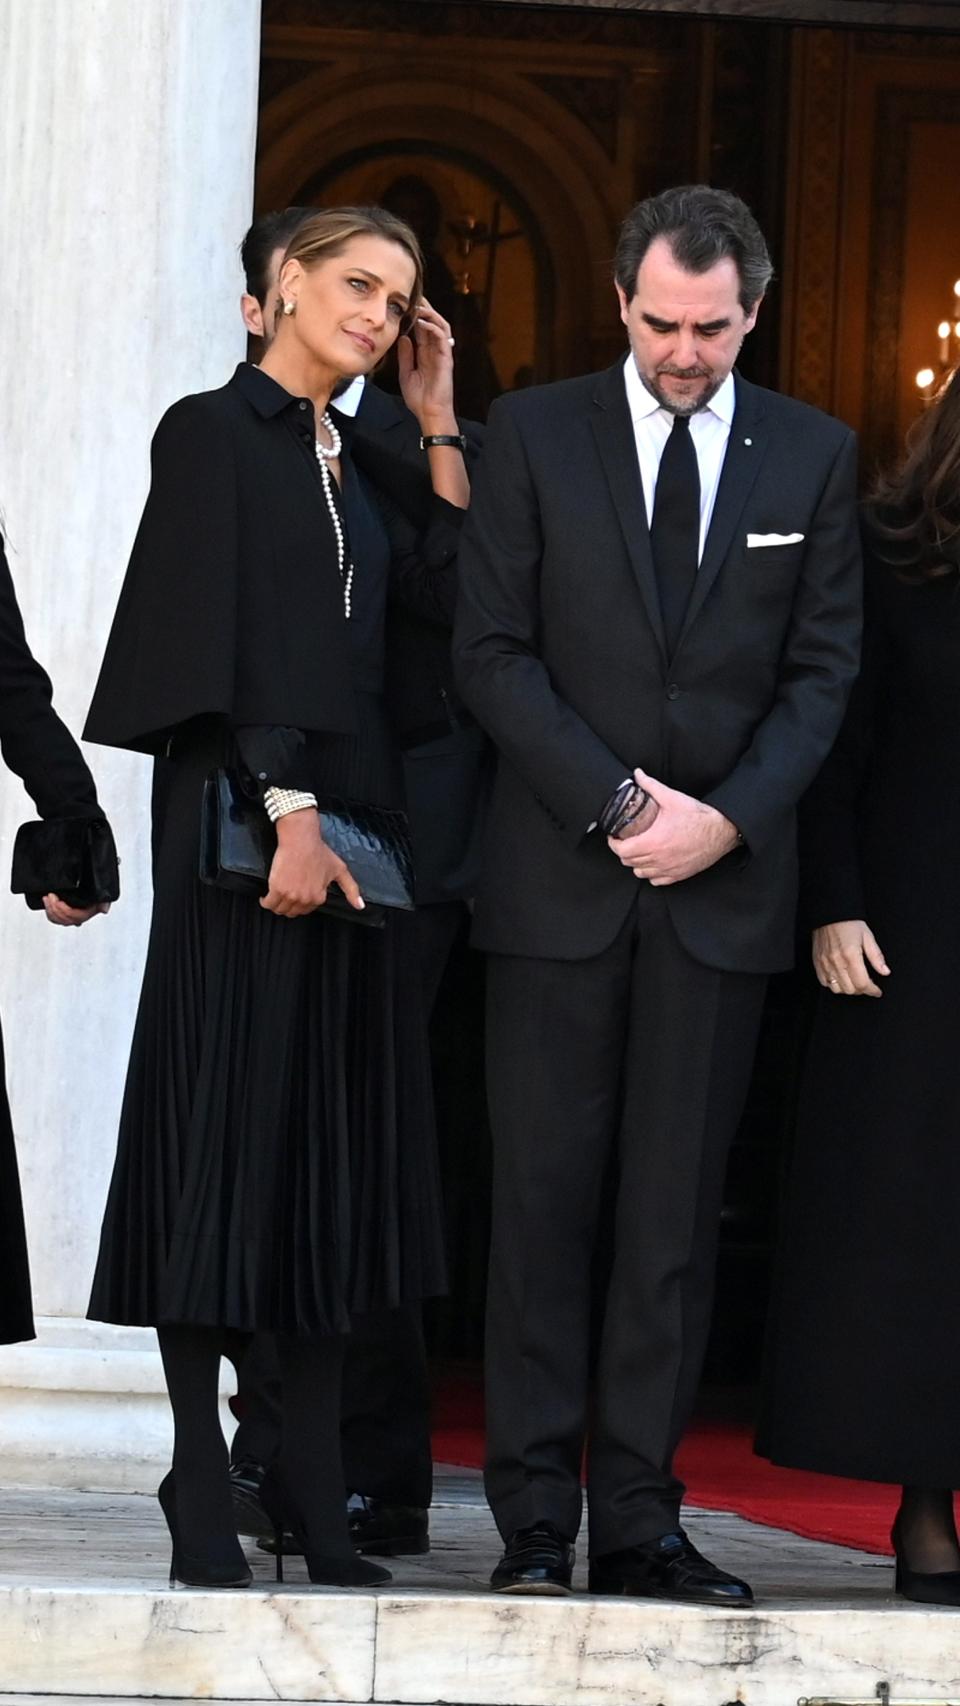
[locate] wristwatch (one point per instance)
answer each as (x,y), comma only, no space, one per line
(624,804)
(430,440)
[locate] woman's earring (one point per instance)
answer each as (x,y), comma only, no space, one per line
(289,308)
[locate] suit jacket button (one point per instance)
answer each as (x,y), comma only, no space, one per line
(673,691)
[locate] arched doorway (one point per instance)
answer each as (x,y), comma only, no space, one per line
(475,146)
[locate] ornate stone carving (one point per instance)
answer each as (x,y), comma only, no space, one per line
(903,44)
(463,17)
(746,149)
(813,269)
(593,100)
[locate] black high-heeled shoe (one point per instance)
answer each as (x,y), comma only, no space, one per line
(188,1570)
(334,1570)
(927,1587)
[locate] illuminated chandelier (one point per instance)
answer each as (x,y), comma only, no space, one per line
(929,379)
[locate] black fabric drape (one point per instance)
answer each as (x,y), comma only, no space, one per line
(863,1372)
(38,747)
(232,603)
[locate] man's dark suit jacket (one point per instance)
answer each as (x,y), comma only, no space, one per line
(560,654)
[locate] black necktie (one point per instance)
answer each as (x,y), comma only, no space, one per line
(675,528)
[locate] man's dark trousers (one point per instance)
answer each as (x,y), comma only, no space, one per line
(648,1066)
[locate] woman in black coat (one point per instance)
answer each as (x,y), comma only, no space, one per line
(39,749)
(275,1169)
(864,1368)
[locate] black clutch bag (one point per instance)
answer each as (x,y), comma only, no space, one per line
(73,857)
(238,841)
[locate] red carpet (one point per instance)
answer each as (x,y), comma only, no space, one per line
(717,1463)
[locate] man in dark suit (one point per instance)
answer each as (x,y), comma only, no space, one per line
(386,1397)
(659,618)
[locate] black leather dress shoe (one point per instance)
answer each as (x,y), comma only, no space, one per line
(668,1568)
(248,1513)
(537,1560)
(380,1530)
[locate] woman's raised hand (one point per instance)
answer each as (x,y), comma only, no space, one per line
(425,361)
(841,955)
(304,867)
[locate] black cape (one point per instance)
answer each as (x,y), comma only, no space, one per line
(232,604)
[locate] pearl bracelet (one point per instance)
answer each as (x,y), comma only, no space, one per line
(281,801)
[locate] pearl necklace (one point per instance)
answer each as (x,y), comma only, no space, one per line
(326,455)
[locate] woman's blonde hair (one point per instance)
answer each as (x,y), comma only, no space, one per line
(327,232)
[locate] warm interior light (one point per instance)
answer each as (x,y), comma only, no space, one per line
(925,377)
(943,330)
(956,288)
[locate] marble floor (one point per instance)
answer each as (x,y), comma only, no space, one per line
(85,1611)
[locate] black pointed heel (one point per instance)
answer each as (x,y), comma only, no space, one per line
(192,1572)
(927,1587)
(346,1570)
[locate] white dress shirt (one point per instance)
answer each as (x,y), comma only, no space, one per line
(348,401)
(709,429)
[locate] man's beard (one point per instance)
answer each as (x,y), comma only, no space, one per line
(683,405)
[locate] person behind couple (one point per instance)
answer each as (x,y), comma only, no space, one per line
(275,1168)
(660,573)
(385,1433)
(863,1372)
(40,749)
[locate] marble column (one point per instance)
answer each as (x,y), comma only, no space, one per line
(127,138)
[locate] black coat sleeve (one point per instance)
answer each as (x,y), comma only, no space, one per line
(424,529)
(423,560)
(36,745)
(500,673)
(831,879)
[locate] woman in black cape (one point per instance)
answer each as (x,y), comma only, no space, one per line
(275,1168)
(39,749)
(863,1375)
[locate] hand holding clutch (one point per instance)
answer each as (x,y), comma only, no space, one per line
(73,859)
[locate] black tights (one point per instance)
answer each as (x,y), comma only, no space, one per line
(191,1367)
(309,1457)
(926,1530)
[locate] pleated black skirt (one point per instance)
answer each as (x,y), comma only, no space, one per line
(275,1167)
(16,1314)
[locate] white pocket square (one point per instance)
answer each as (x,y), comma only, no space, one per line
(754,540)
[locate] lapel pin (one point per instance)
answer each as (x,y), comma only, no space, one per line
(748,441)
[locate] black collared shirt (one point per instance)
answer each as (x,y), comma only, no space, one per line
(368,545)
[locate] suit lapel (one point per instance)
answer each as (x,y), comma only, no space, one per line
(613,431)
(378,412)
(746,448)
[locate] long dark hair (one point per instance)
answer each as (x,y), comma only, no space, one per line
(913,516)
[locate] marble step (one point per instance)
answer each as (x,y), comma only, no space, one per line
(85,1612)
(477,1650)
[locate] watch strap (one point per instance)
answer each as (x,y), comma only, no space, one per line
(456,440)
